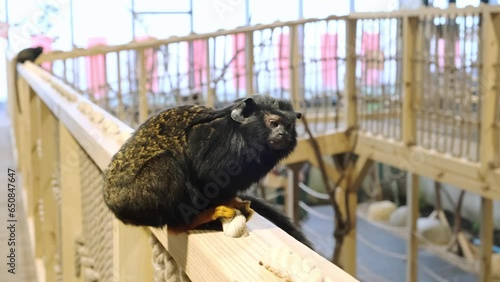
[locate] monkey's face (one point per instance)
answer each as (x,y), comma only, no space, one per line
(270,120)
(281,131)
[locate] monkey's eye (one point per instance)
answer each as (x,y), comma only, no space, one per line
(274,123)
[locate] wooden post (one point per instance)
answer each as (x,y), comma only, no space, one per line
(409,121)
(48,162)
(292,192)
(131,253)
(488,143)
(489,151)
(249,63)
(295,61)
(353,179)
(486,233)
(210,88)
(25,142)
(71,201)
(350,76)
(143,95)
(412,200)
(120,111)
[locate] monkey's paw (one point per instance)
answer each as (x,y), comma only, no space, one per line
(223,212)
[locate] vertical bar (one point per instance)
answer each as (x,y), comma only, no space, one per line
(71,219)
(412,243)
(486,233)
(292,193)
(210,88)
(490,59)
(409,115)
(350,76)
(143,99)
(120,111)
(249,63)
(295,61)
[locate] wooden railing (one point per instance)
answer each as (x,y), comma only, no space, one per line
(417,90)
(65,142)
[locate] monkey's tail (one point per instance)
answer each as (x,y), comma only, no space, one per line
(277,218)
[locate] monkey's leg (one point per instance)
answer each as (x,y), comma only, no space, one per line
(205,216)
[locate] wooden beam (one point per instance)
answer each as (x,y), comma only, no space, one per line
(490,41)
(295,59)
(131,253)
(412,197)
(249,63)
(330,144)
(211,96)
(486,234)
(143,93)
(292,192)
(350,75)
(440,167)
(409,120)
(71,201)
(212,256)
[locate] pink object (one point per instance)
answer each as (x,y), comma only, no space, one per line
(199,60)
(151,69)
(46,43)
(442,53)
(96,69)
(284,61)
(238,65)
(370,49)
(329,66)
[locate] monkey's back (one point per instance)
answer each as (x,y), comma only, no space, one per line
(164,132)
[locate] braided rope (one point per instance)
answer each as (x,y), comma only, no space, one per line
(235,227)
(96,250)
(165,267)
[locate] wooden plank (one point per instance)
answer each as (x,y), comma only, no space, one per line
(48,164)
(211,96)
(141,75)
(486,234)
(348,256)
(71,201)
(412,197)
(490,42)
(440,167)
(292,192)
(131,253)
(212,256)
(295,59)
(409,120)
(350,75)
(249,63)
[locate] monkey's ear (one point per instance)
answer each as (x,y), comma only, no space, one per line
(244,109)
(298,115)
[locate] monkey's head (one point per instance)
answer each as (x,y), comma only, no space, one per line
(271,121)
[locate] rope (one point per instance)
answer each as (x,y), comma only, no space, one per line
(289,266)
(235,227)
(313,193)
(165,267)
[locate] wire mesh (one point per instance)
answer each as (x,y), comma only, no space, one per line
(449,62)
(378,76)
(324,50)
(97,219)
